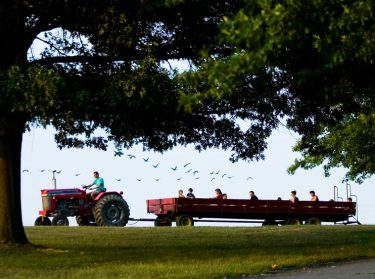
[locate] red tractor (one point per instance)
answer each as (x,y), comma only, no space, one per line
(107,209)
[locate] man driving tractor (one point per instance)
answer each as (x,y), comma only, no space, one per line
(97,185)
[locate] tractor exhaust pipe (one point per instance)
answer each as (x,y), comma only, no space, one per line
(54,185)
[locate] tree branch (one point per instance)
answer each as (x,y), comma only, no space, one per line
(162,54)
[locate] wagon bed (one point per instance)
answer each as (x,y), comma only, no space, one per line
(182,210)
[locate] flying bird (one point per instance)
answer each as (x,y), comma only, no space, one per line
(118,179)
(212,172)
(223,175)
(174,168)
(77,174)
(188,171)
(197,178)
(25,170)
(157,179)
(230,177)
(146,159)
(131,156)
(195,172)
(155,166)
(186,164)
(179,178)
(59,171)
(139,179)
(212,179)
(42,170)
(249,178)
(217,172)
(119,153)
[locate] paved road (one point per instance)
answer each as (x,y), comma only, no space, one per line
(362,269)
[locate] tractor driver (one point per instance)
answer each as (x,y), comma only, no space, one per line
(98,185)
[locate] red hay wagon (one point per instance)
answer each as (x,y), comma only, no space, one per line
(268,212)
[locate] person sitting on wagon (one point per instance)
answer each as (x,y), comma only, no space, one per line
(314,198)
(98,185)
(253,197)
(219,194)
(181,194)
(293,197)
(190,194)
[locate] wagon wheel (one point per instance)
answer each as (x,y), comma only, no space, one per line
(157,222)
(162,222)
(269,222)
(60,220)
(42,221)
(294,221)
(313,221)
(184,221)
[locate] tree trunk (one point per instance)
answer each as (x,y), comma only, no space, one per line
(11,227)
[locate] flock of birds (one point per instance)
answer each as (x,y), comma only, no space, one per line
(184,169)
(44,170)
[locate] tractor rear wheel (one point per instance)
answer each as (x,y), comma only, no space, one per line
(85,220)
(111,210)
(184,221)
(42,221)
(60,220)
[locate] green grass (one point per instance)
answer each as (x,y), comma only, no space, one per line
(199,252)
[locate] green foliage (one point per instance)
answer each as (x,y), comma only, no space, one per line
(32,93)
(349,144)
(200,252)
(101,69)
(309,62)
(320,58)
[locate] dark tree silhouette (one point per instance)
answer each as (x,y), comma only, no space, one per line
(101,68)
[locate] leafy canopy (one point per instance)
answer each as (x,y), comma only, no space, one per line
(318,57)
(101,68)
(309,63)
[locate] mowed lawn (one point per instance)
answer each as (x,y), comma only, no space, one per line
(181,252)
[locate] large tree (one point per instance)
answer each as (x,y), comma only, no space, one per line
(323,52)
(101,68)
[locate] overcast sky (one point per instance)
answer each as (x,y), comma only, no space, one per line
(140,180)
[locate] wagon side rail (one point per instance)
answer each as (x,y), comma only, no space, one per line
(330,211)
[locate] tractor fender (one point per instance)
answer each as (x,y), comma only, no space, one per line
(102,194)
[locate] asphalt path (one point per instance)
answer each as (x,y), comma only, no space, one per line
(361,269)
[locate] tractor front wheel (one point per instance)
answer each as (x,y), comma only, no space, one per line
(111,210)
(60,220)
(42,221)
